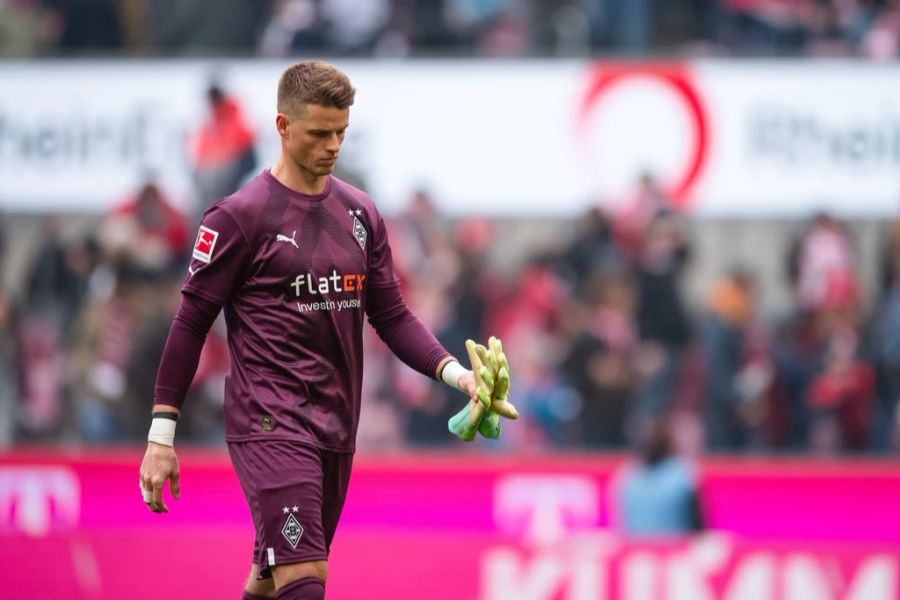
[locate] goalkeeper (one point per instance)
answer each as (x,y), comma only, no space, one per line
(298,259)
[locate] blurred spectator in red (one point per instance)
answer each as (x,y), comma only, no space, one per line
(842,397)
(146,233)
(222,152)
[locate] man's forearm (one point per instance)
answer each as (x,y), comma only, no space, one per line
(182,352)
(404,333)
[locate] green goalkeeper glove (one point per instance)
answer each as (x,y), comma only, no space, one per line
(491,370)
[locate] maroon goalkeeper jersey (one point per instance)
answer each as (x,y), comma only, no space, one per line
(296,274)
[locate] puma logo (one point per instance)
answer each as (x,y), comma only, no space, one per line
(290,240)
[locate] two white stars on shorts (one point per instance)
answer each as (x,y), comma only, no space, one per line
(294,508)
(357,211)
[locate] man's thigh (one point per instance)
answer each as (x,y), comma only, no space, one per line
(283,484)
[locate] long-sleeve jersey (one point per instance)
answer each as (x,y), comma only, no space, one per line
(295,274)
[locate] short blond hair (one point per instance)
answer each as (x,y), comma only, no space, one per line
(313,82)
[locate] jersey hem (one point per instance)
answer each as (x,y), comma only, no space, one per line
(253,437)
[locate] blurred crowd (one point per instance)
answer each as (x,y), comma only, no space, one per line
(603,344)
(491,28)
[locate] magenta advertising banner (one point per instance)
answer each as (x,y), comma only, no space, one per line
(457,526)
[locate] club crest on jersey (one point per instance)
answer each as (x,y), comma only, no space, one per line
(292,529)
(359,232)
(206,242)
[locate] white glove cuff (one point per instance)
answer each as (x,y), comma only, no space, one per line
(162,431)
(451,373)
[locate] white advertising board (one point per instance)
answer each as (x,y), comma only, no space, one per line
(521,138)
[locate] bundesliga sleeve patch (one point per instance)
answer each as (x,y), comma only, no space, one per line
(206,242)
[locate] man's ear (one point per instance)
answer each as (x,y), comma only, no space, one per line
(281,124)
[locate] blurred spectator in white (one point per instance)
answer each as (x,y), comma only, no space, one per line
(657,494)
(145,233)
(222,149)
(295,26)
(354,27)
(27,28)
(661,316)
(821,267)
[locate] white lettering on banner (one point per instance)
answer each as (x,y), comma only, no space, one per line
(34,499)
(640,576)
(547,505)
(753,579)
(587,568)
(508,576)
(688,574)
(567,556)
(876,579)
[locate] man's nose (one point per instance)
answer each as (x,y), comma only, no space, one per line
(334,143)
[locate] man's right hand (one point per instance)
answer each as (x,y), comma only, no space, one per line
(160,463)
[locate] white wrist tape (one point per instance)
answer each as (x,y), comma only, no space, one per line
(162,431)
(451,373)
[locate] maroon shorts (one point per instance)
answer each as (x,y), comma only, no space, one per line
(296,494)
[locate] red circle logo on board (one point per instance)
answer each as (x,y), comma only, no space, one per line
(676,77)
